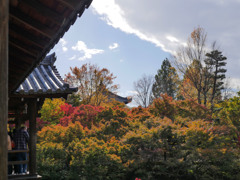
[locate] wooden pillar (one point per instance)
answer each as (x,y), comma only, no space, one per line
(4,14)
(32,111)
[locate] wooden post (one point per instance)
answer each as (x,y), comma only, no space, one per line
(4,14)
(32,111)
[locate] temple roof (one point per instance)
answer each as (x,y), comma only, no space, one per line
(44,79)
(124,100)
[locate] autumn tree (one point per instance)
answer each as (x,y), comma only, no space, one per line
(204,70)
(93,83)
(143,87)
(51,110)
(189,59)
(166,81)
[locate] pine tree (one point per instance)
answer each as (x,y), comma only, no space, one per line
(217,60)
(165,80)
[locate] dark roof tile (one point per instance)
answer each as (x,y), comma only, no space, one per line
(45,79)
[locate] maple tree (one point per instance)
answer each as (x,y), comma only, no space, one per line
(93,83)
(51,110)
(171,139)
(189,59)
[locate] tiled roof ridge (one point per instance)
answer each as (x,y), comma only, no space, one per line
(45,79)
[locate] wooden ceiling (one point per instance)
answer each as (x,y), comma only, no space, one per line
(35,26)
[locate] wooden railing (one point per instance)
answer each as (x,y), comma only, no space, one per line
(18,162)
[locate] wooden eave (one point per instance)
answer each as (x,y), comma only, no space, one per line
(35,26)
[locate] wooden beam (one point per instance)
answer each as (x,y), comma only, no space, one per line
(16,69)
(71,4)
(26,58)
(4,16)
(23,49)
(32,111)
(31,23)
(26,37)
(17,162)
(30,49)
(22,60)
(43,10)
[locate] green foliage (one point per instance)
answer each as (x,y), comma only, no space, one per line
(164,106)
(166,81)
(216,60)
(169,140)
(51,159)
(96,159)
(51,110)
(229,112)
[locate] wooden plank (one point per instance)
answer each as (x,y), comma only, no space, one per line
(17,151)
(23,49)
(21,64)
(19,57)
(17,162)
(26,37)
(24,177)
(31,23)
(71,4)
(38,7)
(4,16)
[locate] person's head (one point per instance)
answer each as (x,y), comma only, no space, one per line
(24,127)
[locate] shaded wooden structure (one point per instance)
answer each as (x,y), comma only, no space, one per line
(43,82)
(29,29)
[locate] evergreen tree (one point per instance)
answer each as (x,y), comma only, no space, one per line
(165,81)
(217,60)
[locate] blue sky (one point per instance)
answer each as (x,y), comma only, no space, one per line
(131,58)
(143,33)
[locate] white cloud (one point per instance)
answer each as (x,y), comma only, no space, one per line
(235,83)
(113,46)
(114,15)
(63,43)
(73,57)
(168,23)
(172,39)
(87,53)
(64,49)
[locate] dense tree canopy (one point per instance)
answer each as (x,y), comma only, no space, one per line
(171,139)
(93,84)
(166,81)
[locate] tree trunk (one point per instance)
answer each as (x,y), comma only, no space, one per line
(199,97)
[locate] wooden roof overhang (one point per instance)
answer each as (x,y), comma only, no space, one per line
(43,82)
(35,26)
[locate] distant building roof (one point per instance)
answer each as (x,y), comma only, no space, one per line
(45,79)
(124,100)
